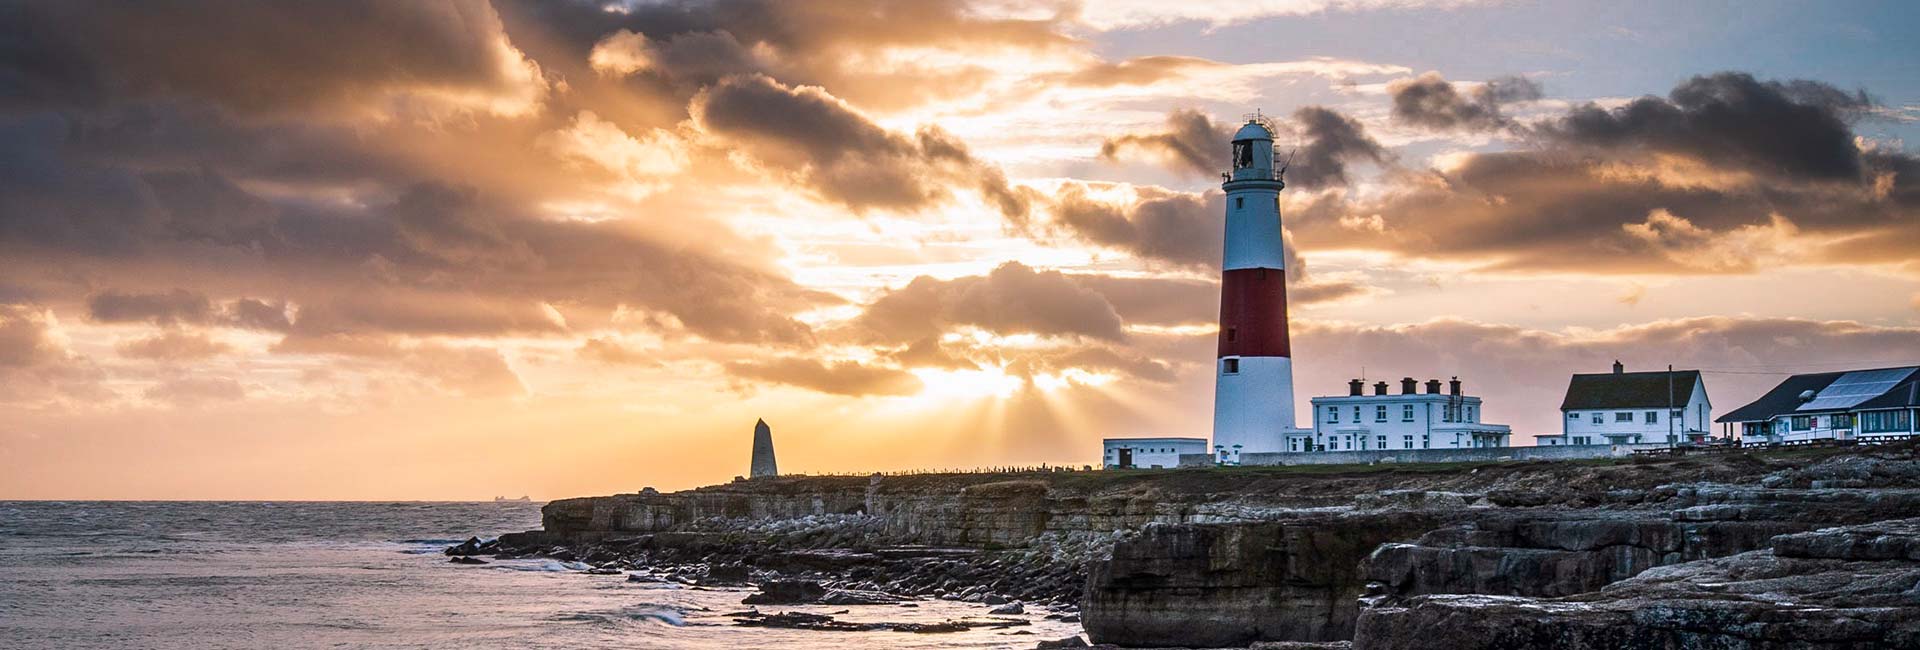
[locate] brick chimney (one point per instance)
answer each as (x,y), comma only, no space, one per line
(1356,387)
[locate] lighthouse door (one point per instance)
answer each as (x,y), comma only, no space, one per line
(1126,458)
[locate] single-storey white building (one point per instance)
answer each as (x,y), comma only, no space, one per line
(1845,405)
(1121,453)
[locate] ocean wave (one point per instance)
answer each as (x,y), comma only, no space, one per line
(643,614)
(554,566)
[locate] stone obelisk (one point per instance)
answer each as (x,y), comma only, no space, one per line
(762,452)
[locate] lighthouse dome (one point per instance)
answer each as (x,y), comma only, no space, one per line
(1253,131)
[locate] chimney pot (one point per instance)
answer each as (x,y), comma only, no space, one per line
(1408,386)
(1433,387)
(1454,385)
(1380,388)
(1356,388)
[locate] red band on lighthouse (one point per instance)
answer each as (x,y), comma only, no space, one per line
(1253,313)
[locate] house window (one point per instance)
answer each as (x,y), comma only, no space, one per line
(1801,423)
(1229,366)
(1884,421)
(1599,418)
(1470,415)
(1380,413)
(1381,442)
(1842,421)
(1653,417)
(1623,416)
(1356,414)
(1573,416)
(1407,441)
(1406,415)
(1333,415)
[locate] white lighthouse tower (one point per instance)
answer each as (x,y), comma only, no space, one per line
(1253,378)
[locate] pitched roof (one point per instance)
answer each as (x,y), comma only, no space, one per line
(1629,390)
(1902,396)
(1785,398)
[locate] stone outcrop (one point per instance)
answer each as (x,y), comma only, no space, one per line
(1850,587)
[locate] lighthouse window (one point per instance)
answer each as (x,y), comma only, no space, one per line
(1229,366)
(1239,202)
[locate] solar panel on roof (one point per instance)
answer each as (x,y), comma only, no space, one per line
(1855,387)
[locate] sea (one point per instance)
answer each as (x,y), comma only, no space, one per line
(284,575)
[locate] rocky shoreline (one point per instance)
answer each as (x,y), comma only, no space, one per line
(1782,549)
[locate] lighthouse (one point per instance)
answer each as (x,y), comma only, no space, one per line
(1253,375)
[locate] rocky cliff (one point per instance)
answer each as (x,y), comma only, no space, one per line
(1385,556)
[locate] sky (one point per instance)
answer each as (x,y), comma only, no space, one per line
(453,250)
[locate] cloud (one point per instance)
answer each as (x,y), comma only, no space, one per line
(1012,299)
(360,54)
(850,378)
(1191,143)
(173,346)
(1333,141)
(469,371)
(1431,101)
(1156,225)
(169,308)
(833,149)
(1724,174)
(25,338)
(609,351)
(1794,129)
(189,391)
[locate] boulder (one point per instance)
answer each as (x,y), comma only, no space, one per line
(1008,609)
(462,559)
(1069,642)
(787,592)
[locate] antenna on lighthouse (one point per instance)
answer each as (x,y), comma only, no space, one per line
(1289,163)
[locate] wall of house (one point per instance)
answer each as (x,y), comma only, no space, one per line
(1696,414)
(1421,429)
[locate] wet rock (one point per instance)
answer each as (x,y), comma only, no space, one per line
(857,597)
(1069,642)
(727,575)
(1008,609)
(993,599)
(462,559)
(469,547)
(787,592)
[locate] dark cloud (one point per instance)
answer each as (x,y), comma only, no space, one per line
(840,153)
(169,308)
(1332,141)
(1796,129)
(256,314)
(1431,101)
(1012,299)
(1728,174)
(835,378)
(1094,359)
(1162,225)
(929,353)
(173,346)
(1192,142)
(250,56)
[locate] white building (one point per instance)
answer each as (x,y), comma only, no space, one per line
(1408,420)
(1154,453)
(1622,408)
(1847,405)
